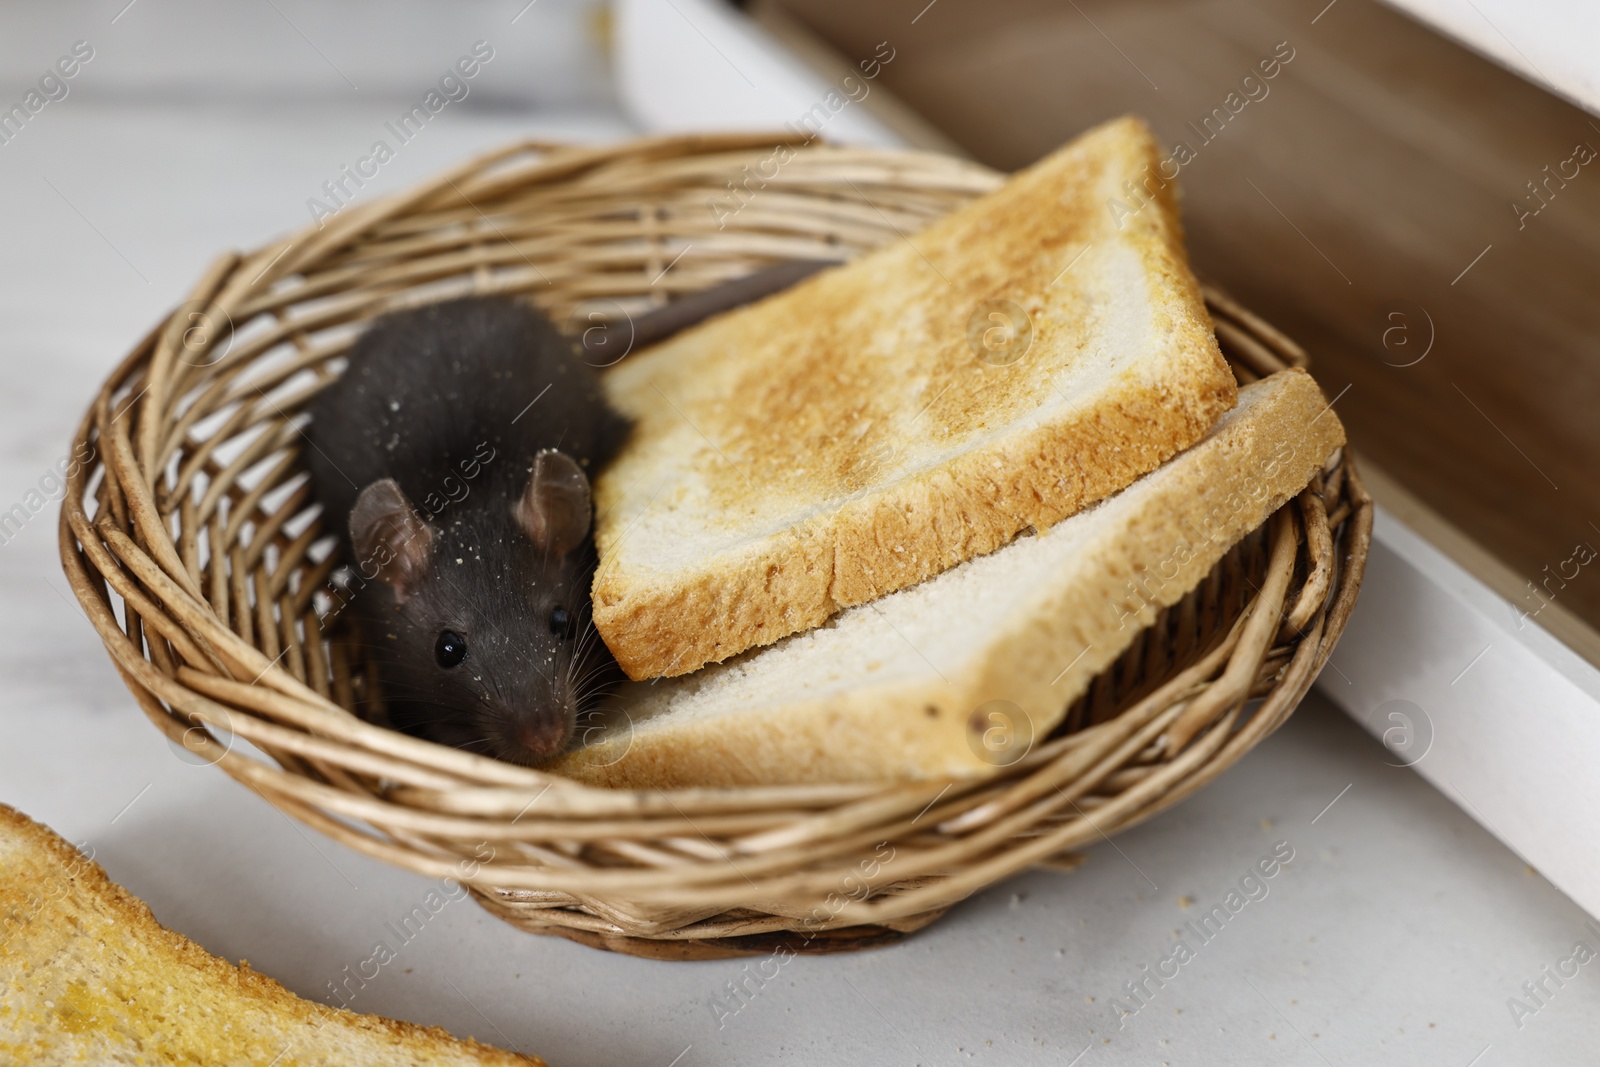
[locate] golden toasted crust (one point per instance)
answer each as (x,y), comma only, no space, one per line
(87,975)
(842,440)
(851,703)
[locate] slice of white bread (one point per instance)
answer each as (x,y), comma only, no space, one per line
(899,688)
(87,976)
(862,431)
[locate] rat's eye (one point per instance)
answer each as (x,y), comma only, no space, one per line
(560,622)
(450,649)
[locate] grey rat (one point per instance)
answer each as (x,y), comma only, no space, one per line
(454,456)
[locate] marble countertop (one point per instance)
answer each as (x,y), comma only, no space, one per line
(1399,933)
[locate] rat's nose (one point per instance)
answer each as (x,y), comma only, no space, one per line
(537,740)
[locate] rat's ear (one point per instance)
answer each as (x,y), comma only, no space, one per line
(554,510)
(390,538)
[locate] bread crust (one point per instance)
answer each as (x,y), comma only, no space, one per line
(878,533)
(1156,542)
(61,917)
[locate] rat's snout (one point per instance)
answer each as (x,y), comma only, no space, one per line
(531,740)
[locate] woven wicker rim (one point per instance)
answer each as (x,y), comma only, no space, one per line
(190,540)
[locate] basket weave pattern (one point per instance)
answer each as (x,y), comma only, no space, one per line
(196,551)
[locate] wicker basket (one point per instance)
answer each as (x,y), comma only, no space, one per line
(193,545)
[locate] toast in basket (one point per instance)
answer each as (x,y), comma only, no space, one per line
(1007,366)
(87,975)
(896,689)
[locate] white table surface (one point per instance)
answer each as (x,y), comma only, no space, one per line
(1395,936)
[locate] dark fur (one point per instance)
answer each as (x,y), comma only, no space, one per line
(423,390)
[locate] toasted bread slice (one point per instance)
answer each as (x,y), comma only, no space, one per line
(87,975)
(892,417)
(897,689)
